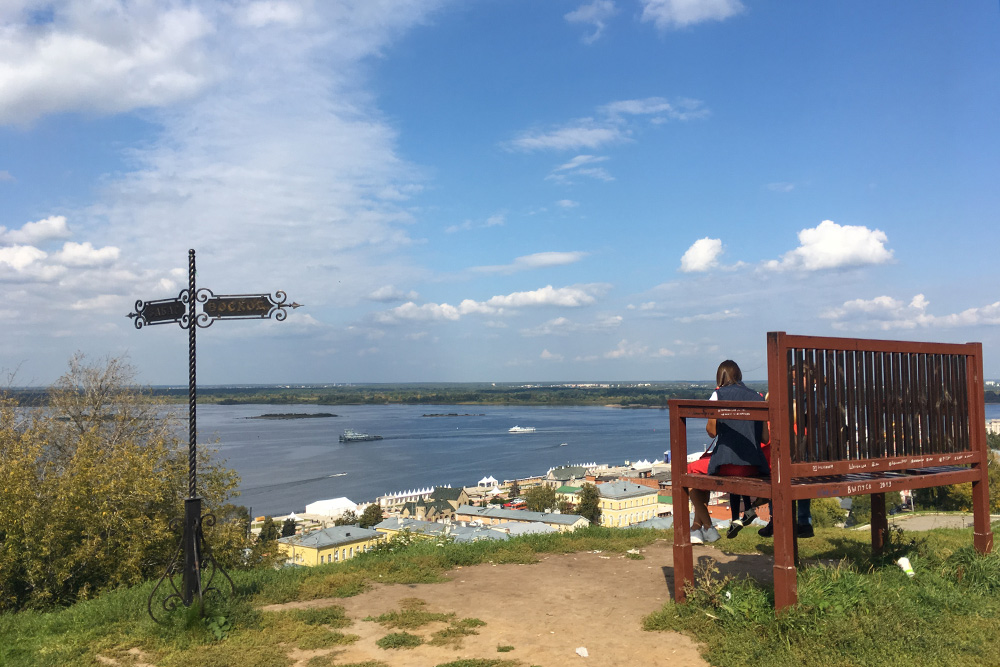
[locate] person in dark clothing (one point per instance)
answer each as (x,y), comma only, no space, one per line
(737,450)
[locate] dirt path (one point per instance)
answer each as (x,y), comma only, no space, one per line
(546,611)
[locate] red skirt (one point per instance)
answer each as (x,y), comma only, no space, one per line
(700,466)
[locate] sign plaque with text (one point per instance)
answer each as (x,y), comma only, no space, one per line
(161,311)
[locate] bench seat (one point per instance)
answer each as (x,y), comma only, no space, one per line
(836,486)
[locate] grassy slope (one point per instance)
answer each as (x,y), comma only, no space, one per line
(855,613)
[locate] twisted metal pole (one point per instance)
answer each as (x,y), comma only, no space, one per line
(192,383)
(192,506)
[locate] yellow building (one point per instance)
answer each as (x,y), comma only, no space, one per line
(626,503)
(330,545)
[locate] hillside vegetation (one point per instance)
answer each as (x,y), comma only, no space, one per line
(855,611)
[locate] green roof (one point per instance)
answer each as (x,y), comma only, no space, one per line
(568,489)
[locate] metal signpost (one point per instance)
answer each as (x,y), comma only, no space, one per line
(182,310)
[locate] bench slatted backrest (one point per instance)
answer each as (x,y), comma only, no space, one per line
(902,404)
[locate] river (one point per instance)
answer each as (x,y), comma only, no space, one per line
(288,463)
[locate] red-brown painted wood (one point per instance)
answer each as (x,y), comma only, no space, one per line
(876,416)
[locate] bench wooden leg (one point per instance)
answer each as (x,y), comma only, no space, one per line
(880,524)
(982,535)
(785,577)
(683,555)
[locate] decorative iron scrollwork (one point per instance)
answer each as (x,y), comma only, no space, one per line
(207,565)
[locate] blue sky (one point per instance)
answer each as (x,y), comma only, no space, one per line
(515,190)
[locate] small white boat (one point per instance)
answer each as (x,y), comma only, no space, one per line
(522,429)
(563,444)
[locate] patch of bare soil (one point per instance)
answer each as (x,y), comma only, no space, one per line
(546,611)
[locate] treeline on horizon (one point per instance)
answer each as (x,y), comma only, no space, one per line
(651,395)
(638,395)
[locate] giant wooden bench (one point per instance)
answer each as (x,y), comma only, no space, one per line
(880,416)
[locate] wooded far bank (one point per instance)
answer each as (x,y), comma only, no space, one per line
(626,395)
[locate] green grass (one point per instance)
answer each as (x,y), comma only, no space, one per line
(854,610)
(398,640)
(857,611)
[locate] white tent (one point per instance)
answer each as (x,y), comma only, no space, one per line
(333,507)
(488,481)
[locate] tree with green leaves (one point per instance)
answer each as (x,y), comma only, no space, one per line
(540,498)
(958,497)
(826,512)
(515,490)
(90,483)
(268,531)
(288,527)
(372,516)
(588,504)
(348,518)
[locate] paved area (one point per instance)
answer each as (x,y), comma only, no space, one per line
(929,521)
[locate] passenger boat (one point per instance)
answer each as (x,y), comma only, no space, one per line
(522,429)
(353,436)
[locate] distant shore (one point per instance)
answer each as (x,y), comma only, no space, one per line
(294,415)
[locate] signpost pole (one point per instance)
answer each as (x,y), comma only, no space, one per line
(197,557)
(192,506)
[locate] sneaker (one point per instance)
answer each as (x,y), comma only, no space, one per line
(710,534)
(768,530)
(736,525)
(697,536)
(804,530)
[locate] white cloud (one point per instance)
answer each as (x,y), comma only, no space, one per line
(626,350)
(549,356)
(609,128)
(780,187)
(538,260)
(703,255)
(595,14)
(20,257)
(103,57)
(102,302)
(33,233)
(5,175)
(388,294)
(667,14)
(710,317)
(583,133)
(563,326)
(84,254)
(412,312)
(563,297)
(567,203)
(581,165)
(832,246)
(580,161)
(886,313)
(261,14)
(495,220)
(566,297)
(684,109)
(559,326)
